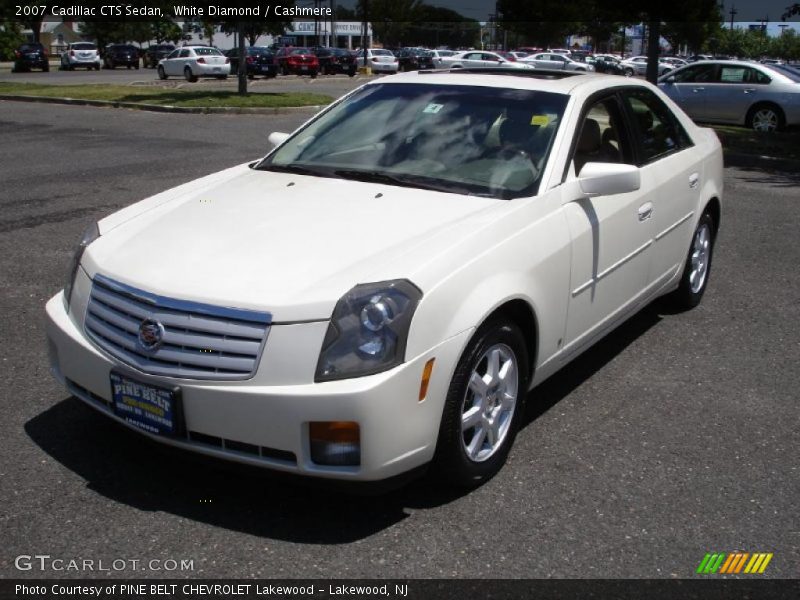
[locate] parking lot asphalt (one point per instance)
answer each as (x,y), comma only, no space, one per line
(673,437)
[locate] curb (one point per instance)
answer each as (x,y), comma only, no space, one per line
(230,110)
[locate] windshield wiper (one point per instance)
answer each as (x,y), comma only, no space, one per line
(406,180)
(372,177)
(297,169)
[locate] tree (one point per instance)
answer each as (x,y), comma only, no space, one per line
(10,38)
(544,22)
(32,22)
(791,11)
(255,28)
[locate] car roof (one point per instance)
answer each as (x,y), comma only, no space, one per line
(545,80)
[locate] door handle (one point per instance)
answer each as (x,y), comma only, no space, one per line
(749,90)
(694,181)
(645,211)
(698,89)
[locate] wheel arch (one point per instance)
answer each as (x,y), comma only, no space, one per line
(714,207)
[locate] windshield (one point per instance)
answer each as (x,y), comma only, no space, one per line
(462,139)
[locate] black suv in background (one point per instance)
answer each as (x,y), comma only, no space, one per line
(30,56)
(154,54)
(260,61)
(335,60)
(122,55)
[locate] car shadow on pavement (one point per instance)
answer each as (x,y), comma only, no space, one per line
(128,468)
(553,390)
(772,177)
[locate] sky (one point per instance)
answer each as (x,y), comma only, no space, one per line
(747,10)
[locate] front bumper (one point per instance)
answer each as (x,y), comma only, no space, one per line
(264,421)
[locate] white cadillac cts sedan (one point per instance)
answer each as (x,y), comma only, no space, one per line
(381,291)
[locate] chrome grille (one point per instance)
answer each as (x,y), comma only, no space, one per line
(200,341)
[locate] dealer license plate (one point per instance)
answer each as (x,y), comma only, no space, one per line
(153,409)
(304,68)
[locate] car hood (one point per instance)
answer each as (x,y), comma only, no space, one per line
(288,244)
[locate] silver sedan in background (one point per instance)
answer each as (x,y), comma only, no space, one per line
(479,59)
(555,60)
(762,97)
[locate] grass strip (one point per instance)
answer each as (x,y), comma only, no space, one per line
(166,96)
(778,144)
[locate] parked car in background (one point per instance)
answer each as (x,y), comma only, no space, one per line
(192,62)
(120,55)
(605,63)
(80,54)
(438,55)
(379,60)
(380,293)
(297,61)
(761,97)
(414,59)
(30,56)
(637,65)
(481,59)
(555,60)
(260,60)
(336,60)
(153,54)
(674,61)
(696,57)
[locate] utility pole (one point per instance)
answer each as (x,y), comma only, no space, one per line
(242,61)
(334,40)
(733,13)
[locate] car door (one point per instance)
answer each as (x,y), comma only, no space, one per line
(610,235)
(170,60)
(734,90)
(689,89)
(667,159)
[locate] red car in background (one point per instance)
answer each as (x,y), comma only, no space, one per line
(297,61)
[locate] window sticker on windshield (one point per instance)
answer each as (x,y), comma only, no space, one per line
(433,108)
(540,120)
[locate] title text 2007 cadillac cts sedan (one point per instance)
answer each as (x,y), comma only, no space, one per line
(380,292)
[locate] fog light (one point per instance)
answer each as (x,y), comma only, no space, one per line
(335,443)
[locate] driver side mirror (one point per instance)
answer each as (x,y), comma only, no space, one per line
(606,179)
(276,138)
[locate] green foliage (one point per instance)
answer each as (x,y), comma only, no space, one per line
(749,43)
(10,38)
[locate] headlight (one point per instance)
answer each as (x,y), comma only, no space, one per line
(368,330)
(90,235)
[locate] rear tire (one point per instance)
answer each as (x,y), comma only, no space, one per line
(484,406)
(190,77)
(161,73)
(313,74)
(765,118)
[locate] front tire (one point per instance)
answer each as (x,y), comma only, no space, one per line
(161,73)
(484,405)
(697,268)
